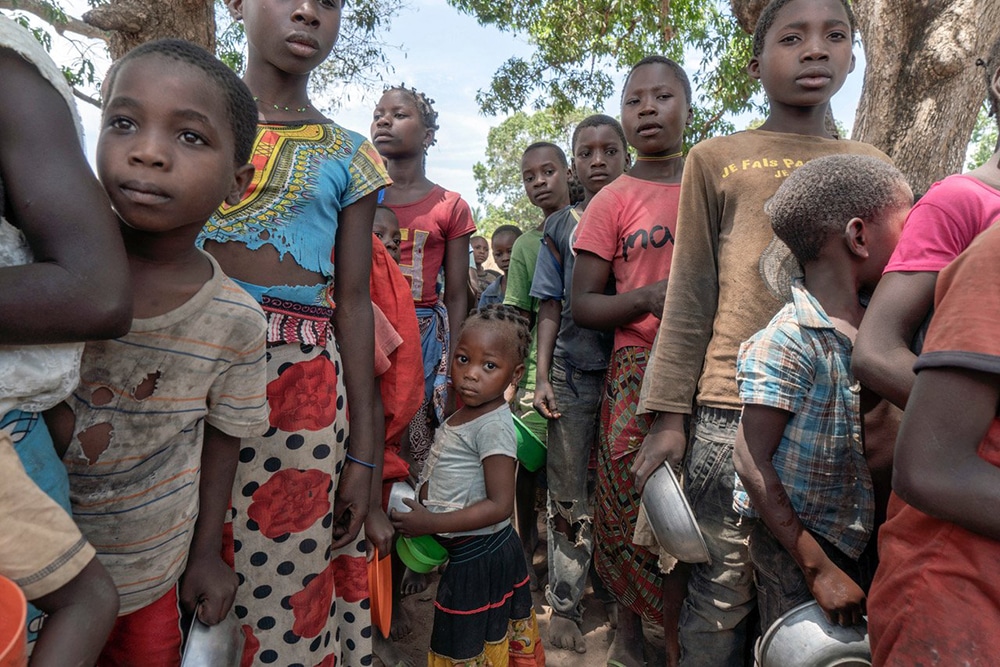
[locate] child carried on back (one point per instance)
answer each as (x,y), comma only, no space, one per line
(799,451)
(152,434)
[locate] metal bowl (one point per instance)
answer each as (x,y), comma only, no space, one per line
(397,493)
(671,518)
(804,637)
(218,645)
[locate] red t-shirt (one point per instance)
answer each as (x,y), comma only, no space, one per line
(631,224)
(936,595)
(426,226)
(943,224)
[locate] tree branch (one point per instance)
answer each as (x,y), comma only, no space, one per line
(44,11)
(86,98)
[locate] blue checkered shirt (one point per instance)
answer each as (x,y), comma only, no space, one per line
(800,363)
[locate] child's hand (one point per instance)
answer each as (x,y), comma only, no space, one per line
(418,521)
(655,294)
(208,586)
(841,599)
(378,532)
(545,400)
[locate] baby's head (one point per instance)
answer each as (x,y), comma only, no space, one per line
(503,241)
(490,353)
(386,228)
(857,200)
(177,130)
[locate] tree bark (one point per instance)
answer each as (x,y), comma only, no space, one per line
(922,89)
(133,22)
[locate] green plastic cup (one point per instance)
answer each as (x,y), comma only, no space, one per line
(421,554)
(531,451)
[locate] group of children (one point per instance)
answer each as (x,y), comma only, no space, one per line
(302,334)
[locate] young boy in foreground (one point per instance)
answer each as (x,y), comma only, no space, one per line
(799,450)
(729,276)
(152,434)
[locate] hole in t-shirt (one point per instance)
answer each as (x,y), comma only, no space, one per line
(146,388)
(95,440)
(101,396)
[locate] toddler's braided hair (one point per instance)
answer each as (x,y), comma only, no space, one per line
(514,326)
(425,107)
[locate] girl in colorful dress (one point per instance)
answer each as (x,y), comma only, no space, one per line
(483,614)
(436,226)
(626,235)
(300,243)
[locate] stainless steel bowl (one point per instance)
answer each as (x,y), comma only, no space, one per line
(804,637)
(214,646)
(671,518)
(397,493)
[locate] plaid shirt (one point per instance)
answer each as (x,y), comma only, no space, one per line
(800,363)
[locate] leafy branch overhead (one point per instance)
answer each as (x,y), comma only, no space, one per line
(579,43)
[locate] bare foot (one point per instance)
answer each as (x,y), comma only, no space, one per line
(625,653)
(401,624)
(565,633)
(389,652)
(413,582)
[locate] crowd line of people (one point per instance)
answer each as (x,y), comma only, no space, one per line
(219,355)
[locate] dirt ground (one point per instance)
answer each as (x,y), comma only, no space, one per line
(596,630)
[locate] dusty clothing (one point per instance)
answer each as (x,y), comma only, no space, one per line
(730,273)
(426,226)
(935,599)
(630,223)
(134,460)
(41,549)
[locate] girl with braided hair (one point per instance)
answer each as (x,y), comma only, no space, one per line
(483,613)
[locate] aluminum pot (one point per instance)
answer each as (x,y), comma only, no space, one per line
(671,518)
(397,493)
(214,646)
(804,637)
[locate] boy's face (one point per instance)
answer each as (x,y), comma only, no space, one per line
(293,37)
(545,179)
(882,235)
(480,250)
(655,109)
(807,53)
(502,243)
(598,157)
(386,228)
(166,150)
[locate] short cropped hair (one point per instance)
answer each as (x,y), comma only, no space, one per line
(240,105)
(816,202)
(538,145)
(662,60)
(767,16)
(506,229)
(599,120)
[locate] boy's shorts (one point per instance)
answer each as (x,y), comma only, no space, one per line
(41,549)
(148,636)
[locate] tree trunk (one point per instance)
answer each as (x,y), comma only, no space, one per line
(133,22)
(922,89)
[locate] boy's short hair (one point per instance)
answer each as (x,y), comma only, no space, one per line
(766,20)
(506,229)
(819,198)
(599,120)
(662,60)
(240,104)
(547,144)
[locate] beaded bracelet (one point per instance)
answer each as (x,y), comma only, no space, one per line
(370,466)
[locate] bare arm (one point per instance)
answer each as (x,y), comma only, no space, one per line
(378,530)
(355,331)
(456,279)
(937,468)
(549,318)
(208,581)
(757,440)
(882,359)
(497,506)
(666,441)
(78,287)
(80,617)
(594,309)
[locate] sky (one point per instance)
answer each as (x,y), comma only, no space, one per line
(448,56)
